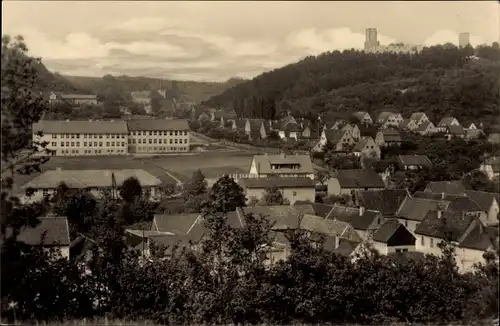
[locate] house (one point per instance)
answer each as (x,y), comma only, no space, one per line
(419,118)
(446,122)
(393,236)
(366,147)
(363,117)
(452,187)
(353,129)
(291,131)
(461,204)
(491,167)
(203,117)
(282,165)
(426,128)
(364,221)
(292,189)
(414,210)
(454,131)
(494,137)
(141,97)
(472,126)
(286,120)
(471,134)
(158,136)
(52,232)
(239,124)
(386,201)
(414,162)
(255,128)
(348,181)
(474,245)
(340,139)
(389,119)
(408,124)
(94,181)
(320,209)
(75,99)
(488,202)
(388,137)
(337,124)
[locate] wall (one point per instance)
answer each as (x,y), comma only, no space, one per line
(333,187)
(429,246)
(78,144)
(396,248)
(492,214)
(145,141)
(302,194)
(466,258)
(410,225)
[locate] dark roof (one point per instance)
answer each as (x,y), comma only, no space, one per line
(457,203)
(404,124)
(81,127)
(334,136)
(424,125)
(418,160)
(359,178)
(170,241)
(177,224)
(386,230)
(352,216)
(452,223)
(386,201)
(446,121)
(360,145)
(478,238)
(255,124)
(157,124)
(416,209)
(346,247)
(293,127)
(280,182)
(281,214)
(55,229)
(483,199)
(452,187)
(286,120)
(456,130)
(393,233)
(319,209)
(417,115)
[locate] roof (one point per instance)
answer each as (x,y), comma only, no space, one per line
(383,116)
(386,231)
(457,203)
(456,130)
(293,127)
(285,216)
(79,96)
(55,229)
(352,216)
(452,187)
(286,120)
(319,209)
(478,239)
(81,127)
(170,241)
(318,224)
(335,135)
(453,223)
(359,178)
(483,199)
(146,233)
(80,179)
(264,162)
(360,115)
(424,125)
(360,145)
(418,160)
(416,116)
(346,247)
(157,124)
(446,121)
(405,123)
(177,224)
(386,201)
(391,135)
(255,124)
(280,182)
(416,209)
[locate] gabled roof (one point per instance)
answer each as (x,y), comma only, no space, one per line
(240,123)
(452,223)
(383,116)
(457,203)
(416,209)
(81,179)
(404,124)
(318,224)
(389,229)
(319,209)
(255,124)
(424,125)
(177,224)
(418,160)
(455,130)
(478,239)
(335,135)
(54,229)
(293,127)
(483,199)
(81,127)
(284,216)
(360,115)
(360,145)
(452,187)
(359,178)
(286,120)
(157,124)
(446,121)
(264,162)
(353,216)
(391,135)
(346,247)
(416,116)
(386,201)
(280,182)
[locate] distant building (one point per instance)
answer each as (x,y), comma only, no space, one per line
(282,165)
(292,189)
(56,97)
(158,135)
(371,42)
(463,40)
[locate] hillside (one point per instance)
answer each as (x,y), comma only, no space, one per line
(48,81)
(185,91)
(440,80)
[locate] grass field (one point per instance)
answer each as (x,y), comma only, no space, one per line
(181,167)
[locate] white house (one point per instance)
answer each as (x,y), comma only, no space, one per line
(491,167)
(281,165)
(488,202)
(419,118)
(392,236)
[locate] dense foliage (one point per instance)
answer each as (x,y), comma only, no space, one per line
(440,80)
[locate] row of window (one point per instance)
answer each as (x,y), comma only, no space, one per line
(77,136)
(164,149)
(158,141)
(95,144)
(159,133)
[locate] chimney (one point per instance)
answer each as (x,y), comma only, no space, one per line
(361,210)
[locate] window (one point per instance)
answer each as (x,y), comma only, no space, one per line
(54,136)
(54,144)
(155,141)
(100,136)
(78,136)
(112,143)
(45,192)
(170,141)
(67,144)
(422,241)
(100,144)
(176,141)
(107,144)
(90,144)
(159,141)
(84,135)
(139,141)
(150,133)
(294,193)
(78,144)
(175,133)
(112,136)
(107,136)
(95,144)
(406,223)
(185,141)
(155,133)
(150,141)
(72,136)
(123,143)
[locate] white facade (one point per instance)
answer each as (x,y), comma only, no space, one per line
(488,170)
(148,141)
(79,144)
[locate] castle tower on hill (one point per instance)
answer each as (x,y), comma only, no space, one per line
(371,41)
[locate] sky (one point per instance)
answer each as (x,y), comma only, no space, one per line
(215,41)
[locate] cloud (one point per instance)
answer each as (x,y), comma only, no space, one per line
(448,36)
(154,46)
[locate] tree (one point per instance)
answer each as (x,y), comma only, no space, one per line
(273,196)
(342,162)
(226,195)
(130,190)
(195,192)
(322,176)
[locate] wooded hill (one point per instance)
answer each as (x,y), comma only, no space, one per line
(186,91)
(441,80)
